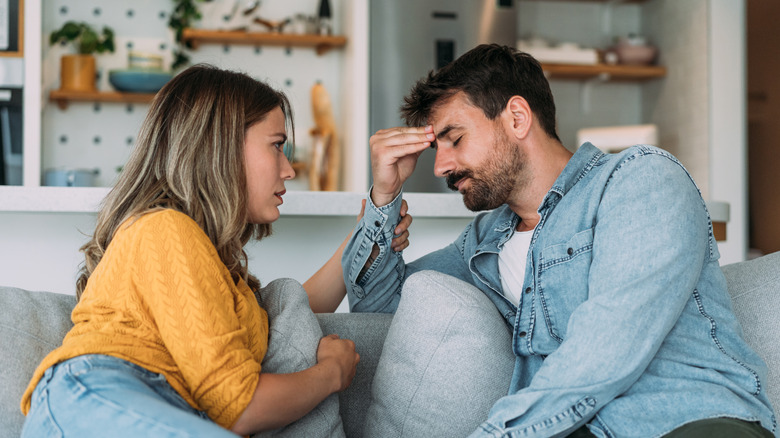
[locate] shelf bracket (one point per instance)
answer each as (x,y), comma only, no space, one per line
(586,90)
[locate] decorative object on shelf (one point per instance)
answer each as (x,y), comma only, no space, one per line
(634,50)
(273,26)
(324,26)
(69,177)
(138,80)
(321,43)
(230,15)
(184,14)
(325,159)
(78,71)
(143,75)
(144,60)
(562,53)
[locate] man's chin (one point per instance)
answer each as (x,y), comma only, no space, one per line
(477,206)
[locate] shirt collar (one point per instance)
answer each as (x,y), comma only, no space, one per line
(578,166)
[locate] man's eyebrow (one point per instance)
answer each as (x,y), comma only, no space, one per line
(443,134)
(445,131)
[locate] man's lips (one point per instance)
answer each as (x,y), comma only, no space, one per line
(456,181)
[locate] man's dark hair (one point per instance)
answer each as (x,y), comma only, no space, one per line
(489,75)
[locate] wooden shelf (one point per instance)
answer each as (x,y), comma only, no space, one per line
(321,43)
(64,97)
(604,71)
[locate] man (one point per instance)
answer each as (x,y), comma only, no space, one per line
(604,266)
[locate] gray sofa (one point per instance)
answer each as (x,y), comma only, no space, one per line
(33,323)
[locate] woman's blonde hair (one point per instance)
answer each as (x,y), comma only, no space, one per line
(189,157)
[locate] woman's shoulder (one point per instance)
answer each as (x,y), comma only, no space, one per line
(162,224)
(159,219)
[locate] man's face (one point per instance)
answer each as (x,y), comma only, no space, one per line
(475,154)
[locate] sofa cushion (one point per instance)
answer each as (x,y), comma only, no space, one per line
(33,324)
(446,360)
(368,331)
(754,286)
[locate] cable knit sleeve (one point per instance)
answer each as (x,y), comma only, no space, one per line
(214,330)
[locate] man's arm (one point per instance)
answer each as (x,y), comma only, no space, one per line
(326,288)
(394,154)
(650,241)
(374,277)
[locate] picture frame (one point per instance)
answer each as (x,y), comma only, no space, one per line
(12,28)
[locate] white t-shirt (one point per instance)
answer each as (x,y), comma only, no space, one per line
(511,264)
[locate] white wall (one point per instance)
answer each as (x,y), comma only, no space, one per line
(40,251)
(728,120)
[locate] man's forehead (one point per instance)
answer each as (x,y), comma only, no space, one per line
(453,113)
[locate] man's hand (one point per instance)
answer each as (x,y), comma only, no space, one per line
(394,154)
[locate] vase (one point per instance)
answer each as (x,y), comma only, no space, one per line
(78,73)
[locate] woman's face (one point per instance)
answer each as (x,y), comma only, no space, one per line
(266,167)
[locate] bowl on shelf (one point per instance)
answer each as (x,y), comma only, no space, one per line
(134,80)
(634,50)
(635,55)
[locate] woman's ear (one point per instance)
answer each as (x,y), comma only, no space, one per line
(520,116)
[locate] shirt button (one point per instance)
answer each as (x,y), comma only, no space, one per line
(570,251)
(528,290)
(377,223)
(522,334)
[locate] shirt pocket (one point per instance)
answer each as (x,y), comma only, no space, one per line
(563,280)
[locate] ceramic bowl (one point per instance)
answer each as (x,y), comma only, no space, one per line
(635,54)
(138,80)
(141,60)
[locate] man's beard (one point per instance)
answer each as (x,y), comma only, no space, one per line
(492,184)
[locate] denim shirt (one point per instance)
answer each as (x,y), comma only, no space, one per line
(625,323)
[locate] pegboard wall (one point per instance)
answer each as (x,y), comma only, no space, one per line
(101,135)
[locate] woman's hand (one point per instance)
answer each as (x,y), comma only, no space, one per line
(340,357)
(401,232)
(280,399)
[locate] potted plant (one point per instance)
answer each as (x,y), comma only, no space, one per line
(77,71)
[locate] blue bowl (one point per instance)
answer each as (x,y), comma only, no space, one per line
(138,80)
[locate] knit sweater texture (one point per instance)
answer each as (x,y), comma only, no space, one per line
(162,298)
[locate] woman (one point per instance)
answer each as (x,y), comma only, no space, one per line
(168,336)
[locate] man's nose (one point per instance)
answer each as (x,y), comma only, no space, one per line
(444,162)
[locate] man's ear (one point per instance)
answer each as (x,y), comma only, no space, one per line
(519,116)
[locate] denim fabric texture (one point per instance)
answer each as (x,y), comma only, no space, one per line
(102,393)
(625,323)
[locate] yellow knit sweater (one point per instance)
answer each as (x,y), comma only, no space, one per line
(162,299)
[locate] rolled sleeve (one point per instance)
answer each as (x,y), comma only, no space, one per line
(378,289)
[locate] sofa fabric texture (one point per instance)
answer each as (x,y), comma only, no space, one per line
(33,323)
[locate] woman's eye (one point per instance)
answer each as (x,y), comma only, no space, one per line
(279,146)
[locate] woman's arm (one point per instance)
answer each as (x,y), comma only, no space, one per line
(326,287)
(280,399)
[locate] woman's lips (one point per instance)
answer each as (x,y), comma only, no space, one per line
(280,194)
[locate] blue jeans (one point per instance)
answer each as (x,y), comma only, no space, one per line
(98,395)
